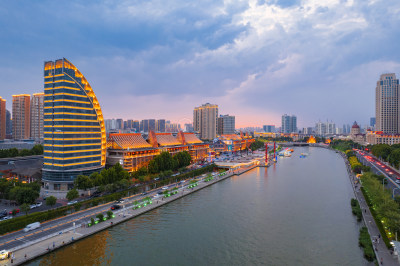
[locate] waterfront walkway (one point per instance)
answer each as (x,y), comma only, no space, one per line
(383,255)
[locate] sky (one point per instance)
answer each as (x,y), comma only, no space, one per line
(258,60)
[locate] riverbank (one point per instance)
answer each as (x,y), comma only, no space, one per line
(383,255)
(40,247)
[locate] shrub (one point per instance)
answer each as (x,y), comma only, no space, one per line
(100,216)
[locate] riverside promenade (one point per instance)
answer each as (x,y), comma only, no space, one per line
(383,255)
(34,249)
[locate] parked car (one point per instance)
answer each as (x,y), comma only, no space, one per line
(33,206)
(72,202)
(31,226)
(116,207)
(6,218)
(38,204)
(16,210)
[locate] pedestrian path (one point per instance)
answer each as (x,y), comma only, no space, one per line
(383,254)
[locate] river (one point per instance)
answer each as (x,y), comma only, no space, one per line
(296,212)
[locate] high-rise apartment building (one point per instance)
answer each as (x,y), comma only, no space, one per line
(136,125)
(21,112)
(74,130)
(144,125)
(129,123)
(120,123)
(37,117)
(387,104)
(152,125)
(3,120)
(372,122)
(188,128)
(8,125)
(160,125)
(205,121)
(289,123)
(225,125)
(269,128)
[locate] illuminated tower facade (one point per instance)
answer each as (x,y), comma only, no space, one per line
(74,130)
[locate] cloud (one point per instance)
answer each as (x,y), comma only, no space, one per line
(256,59)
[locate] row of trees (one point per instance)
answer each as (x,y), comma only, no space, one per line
(8,153)
(166,162)
(256,145)
(115,175)
(386,209)
(389,153)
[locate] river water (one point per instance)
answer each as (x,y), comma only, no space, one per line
(296,212)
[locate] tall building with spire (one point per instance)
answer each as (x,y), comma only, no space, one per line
(74,130)
(37,102)
(205,121)
(387,104)
(21,113)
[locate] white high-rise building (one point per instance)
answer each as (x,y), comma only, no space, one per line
(387,104)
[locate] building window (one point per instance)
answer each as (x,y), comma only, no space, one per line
(57,186)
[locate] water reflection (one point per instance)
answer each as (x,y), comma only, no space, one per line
(296,212)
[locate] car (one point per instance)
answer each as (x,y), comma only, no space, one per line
(120,201)
(72,202)
(31,226)
(32,206)
(397,181)
(145,193)
(164,188)
(116,207)
(38,204)
(6,218)
(16,211)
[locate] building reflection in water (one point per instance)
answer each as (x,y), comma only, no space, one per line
(94,248)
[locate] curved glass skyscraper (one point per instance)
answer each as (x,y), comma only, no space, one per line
(74,131)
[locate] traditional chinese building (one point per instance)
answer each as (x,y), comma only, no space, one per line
(132,151)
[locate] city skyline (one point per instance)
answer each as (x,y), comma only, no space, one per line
(256,59)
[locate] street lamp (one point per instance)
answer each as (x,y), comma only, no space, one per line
(393,192)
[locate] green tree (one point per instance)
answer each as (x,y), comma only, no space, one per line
(109,214)
(23,194)
(83,182)
(25,208)
(51,201)
(100,216)
(77,206)
(72,194)
(394,157)
(381,151)
(37,149)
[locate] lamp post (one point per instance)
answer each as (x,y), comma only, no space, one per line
(393,192)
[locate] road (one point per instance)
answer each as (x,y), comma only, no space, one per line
(379,167)
(12,240)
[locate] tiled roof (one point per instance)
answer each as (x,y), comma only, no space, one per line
(191,138)
(231,137)
(129,141)
(166,139)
